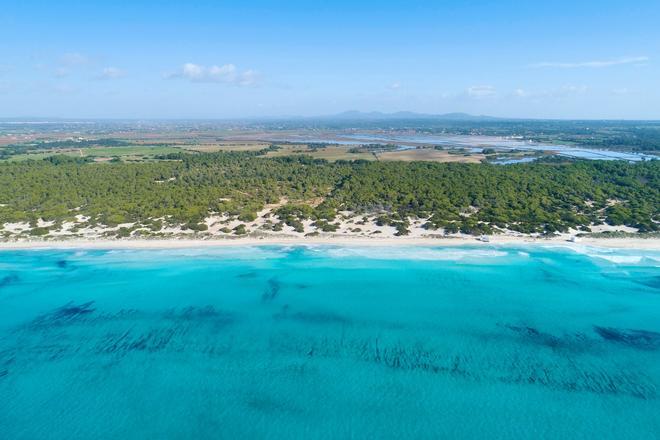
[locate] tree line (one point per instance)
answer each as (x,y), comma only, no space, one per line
(184,188)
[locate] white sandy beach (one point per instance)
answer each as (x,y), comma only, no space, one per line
(171,243)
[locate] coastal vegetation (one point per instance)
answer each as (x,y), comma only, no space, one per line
(184,189)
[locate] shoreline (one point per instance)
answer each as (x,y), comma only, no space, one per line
(180,243)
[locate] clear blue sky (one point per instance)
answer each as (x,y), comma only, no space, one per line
(223,59)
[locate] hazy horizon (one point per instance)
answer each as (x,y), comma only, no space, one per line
(341,116)
(155,60)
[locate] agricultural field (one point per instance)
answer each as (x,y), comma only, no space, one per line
(344,152)
(329,153)
(432,155)
(136,152)
(226,146)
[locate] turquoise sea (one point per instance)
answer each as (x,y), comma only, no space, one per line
(330,342)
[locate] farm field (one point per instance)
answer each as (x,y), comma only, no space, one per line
(136,152)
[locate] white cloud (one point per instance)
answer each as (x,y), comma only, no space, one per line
(592,64)
(111,73)
(479,92)
(227,73)
(395,86)
(566,91)
(248,78)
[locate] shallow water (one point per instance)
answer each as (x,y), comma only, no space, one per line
(512,161)
(470,142)
(510,144)
(330,342)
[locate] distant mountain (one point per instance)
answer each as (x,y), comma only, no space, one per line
(355,115)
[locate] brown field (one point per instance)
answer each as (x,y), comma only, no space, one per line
(340,152)
(127,153)
(8,140)
(329,153)
(147,145)
(226,146)
(428,154)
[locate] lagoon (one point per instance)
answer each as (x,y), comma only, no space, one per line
(473,143)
